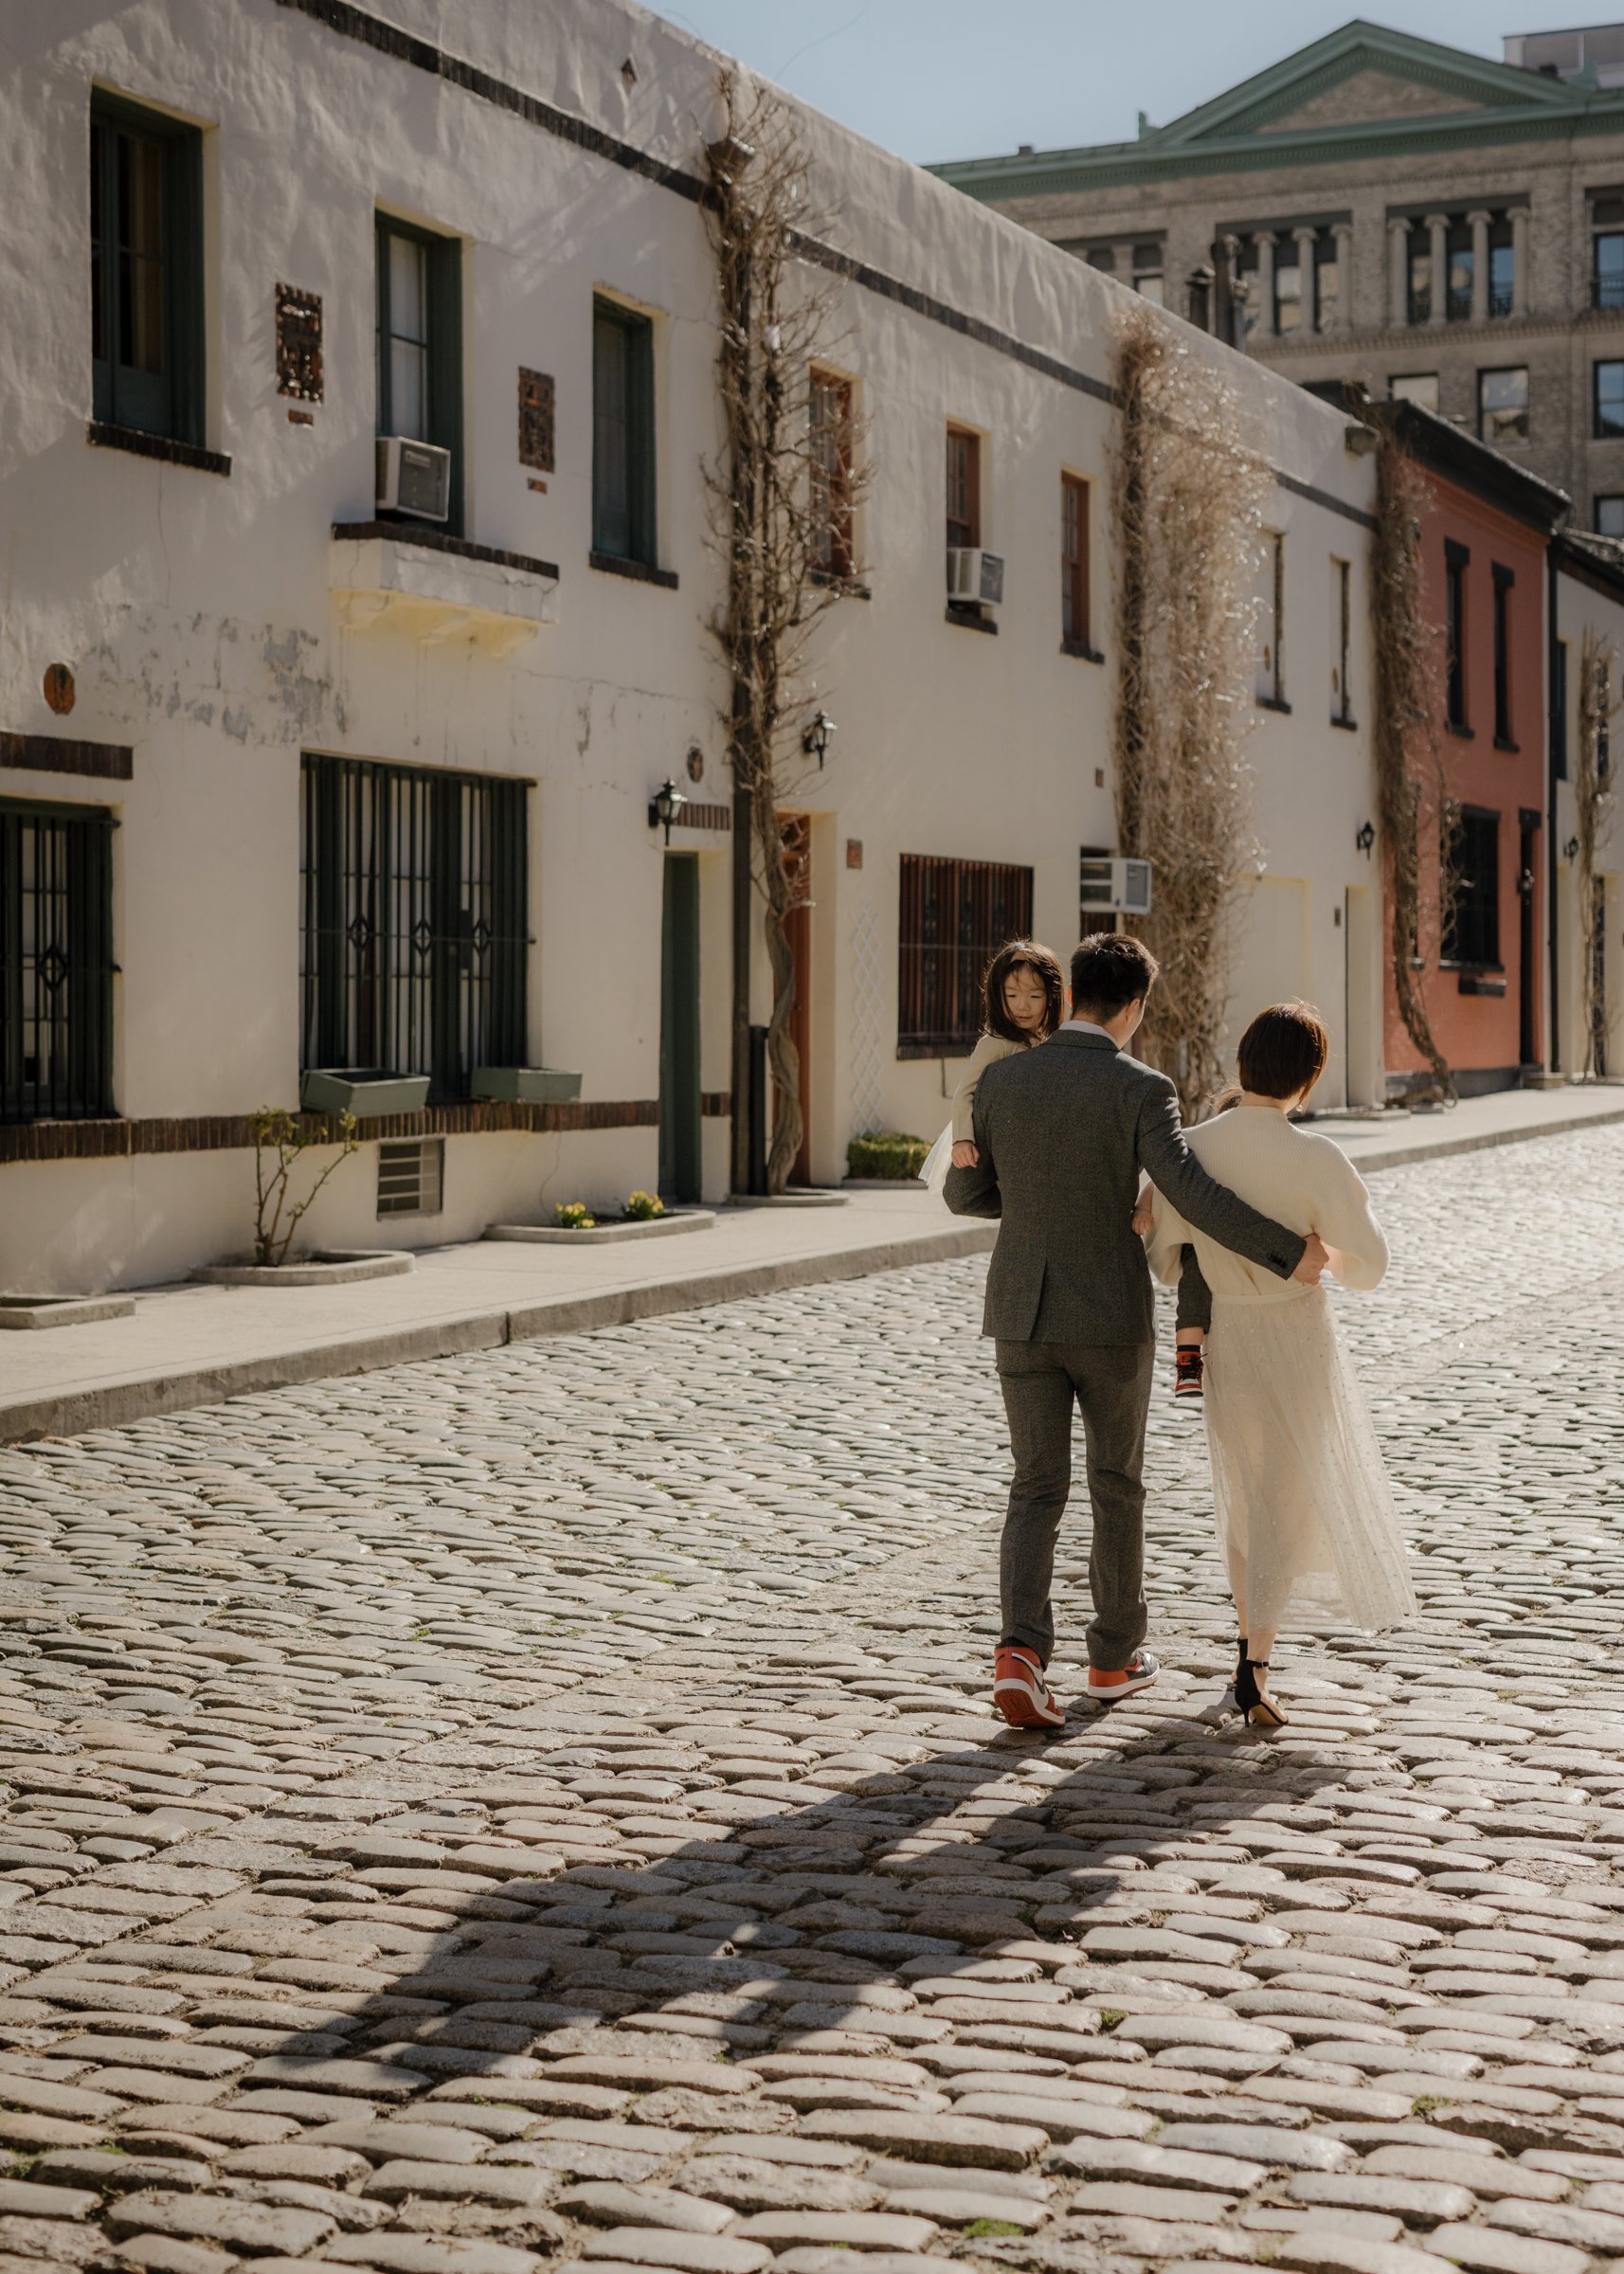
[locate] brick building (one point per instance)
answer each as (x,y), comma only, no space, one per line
(1437,225)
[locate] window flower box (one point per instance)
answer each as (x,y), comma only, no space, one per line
(527,1085)
(368,1093)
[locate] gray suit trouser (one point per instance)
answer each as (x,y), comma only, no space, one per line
(1110,1382)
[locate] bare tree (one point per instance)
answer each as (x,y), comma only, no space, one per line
(1188,498)
(1592,802)
(785,492)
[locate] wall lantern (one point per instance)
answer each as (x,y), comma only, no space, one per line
(814,736)
(665,806)
(1570,851)
(1364,836)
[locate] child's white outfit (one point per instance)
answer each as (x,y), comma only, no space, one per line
(1304,1505)
(986,1053)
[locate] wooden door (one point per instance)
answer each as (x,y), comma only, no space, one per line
(797,829)
(679,1103)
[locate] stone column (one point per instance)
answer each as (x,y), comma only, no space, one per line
(1307,241)
(1438,225)
(1518,259)
(1397,272)
(1479,221)
(1342,233)
(1265,244)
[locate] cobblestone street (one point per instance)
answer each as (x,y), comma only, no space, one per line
(545,1803)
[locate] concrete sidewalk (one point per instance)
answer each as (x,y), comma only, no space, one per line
(191,1346)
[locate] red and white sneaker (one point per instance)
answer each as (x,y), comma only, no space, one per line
(1106,1688)
(1019,1691)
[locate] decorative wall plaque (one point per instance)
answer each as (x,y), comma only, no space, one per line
(536,420)
(299,344)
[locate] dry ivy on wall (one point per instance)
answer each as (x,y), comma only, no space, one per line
(1188,500)
(1404,659)
(1591,799)
(770,514)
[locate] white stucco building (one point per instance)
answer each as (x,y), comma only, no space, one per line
(1587,583)
(287,783)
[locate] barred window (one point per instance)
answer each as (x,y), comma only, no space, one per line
(831,420)
(954,916)
(1471,850)
(414,934)
(56,962)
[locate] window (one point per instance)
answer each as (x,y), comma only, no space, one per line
(1607,253)
(1074,562)
(1559,711)
(954,916)
(414,921)
(1503,406)
(1290,287)
(623,434)
(420,344)
(963,487)
(1419,251)
(1502,267)
(1608,421)
(1328,283)
(1342,618)
(1103,257)
(411,1177)
(1420,387)
(1460,267)
(1147,276)
(146,271)
(1271,623)
(1472,906)
(1456,559)
(56,962)
(832,432)
(1504,580)
(1609,516)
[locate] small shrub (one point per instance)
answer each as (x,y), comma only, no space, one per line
(573,1216)
(641,1206)
(281,1138)
(886,1154)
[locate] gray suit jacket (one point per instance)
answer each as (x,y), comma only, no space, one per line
(1063,1132)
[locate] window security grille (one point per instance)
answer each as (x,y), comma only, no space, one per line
(954,916)
(414,931)
(411,1177)
(56,962)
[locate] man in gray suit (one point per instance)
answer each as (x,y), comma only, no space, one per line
(1062,1133)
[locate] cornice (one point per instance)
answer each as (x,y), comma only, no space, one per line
(1508,330)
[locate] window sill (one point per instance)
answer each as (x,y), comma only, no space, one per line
(969,620)
(945,1046)
(160,446)
(1275,702)
(849,588)
(1479,982)
(427,539)
(1080,648)
(610,563)
(1349,726)
(1501,742)
(1460,731)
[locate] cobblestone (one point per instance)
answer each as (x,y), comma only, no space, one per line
(544,1803)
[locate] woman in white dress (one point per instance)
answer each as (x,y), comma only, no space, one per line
(1303,1506)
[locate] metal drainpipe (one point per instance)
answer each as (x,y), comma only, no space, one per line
(1553,718)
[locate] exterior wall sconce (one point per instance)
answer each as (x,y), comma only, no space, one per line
(1570,851)
(814,736)
(665,806)
(1364,836)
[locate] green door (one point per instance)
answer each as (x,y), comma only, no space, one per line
(679,1030)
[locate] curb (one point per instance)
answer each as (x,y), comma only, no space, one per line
(117,1403)
(1479,1141)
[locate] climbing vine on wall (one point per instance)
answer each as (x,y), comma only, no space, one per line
(1591,799)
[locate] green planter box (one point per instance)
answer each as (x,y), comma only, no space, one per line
(368,1093)
(527,1085)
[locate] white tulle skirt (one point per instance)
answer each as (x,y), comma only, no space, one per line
(1305,1515)
(933,1169)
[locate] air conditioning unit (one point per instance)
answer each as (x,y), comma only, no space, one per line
(413,477)
(975,578)
(1112,885)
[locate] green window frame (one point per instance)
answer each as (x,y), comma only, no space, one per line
(623,520)
(56,962)
(146,271)
(419,344)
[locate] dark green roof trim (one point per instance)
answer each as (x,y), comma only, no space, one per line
(1595,561)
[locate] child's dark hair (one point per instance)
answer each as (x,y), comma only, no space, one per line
(1016,955)
(1283,1052)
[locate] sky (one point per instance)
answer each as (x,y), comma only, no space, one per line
(967,79)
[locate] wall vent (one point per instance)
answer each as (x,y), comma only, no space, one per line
(411,1177)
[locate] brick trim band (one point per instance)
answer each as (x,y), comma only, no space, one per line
(156,445)
(435,540)
(54,755)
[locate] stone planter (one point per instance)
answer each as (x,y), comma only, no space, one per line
(326,1267)
(881,1184)
(651,1227)
(527,1085)
(63,1310)
(368,1093)
(789,1199)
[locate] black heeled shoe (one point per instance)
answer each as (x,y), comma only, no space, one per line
(1260,1710)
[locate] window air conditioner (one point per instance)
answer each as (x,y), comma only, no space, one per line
(975,578)
(1121,886)
(413,477)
